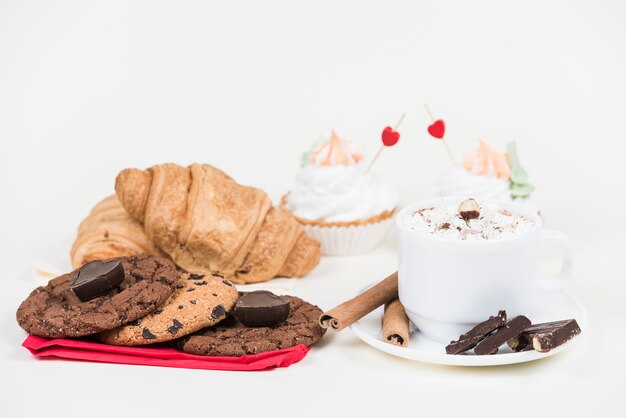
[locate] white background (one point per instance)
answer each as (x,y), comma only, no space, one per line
(89,88)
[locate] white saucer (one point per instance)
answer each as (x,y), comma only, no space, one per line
(550,306)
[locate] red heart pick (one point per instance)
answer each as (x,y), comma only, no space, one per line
(437,129)
(390,137)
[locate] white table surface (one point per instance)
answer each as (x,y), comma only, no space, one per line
(89,88)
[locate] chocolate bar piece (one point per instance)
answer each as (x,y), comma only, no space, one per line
(544,337)
(469,340)
(97,278)
(261,308)
(512,329)
(518,344)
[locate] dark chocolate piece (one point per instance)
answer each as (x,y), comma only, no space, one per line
(518,345)
(511,329)
(470,214)
(196,276)
(469,340)
(147,334)
(97,278)
(261,308)
(218,312)
(226,282)
(546,336)
(175,327)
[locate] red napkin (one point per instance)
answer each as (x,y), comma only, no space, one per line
(158,356)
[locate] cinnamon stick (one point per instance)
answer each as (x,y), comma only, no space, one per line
(356,308)
(395,324)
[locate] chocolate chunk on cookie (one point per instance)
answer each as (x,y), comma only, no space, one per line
(54,311)
(262,308)
(189,309)
(231,338)
(97,278)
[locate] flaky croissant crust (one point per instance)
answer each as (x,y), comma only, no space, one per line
(205,221)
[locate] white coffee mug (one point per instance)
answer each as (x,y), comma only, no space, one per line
(447,287)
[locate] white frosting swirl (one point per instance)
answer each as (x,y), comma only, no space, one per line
(460,183)
(339,193)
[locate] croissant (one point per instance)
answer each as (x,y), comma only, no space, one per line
(205,221)
(109,232)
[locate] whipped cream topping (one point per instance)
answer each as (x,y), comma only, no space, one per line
(446,223)
(339,193)
(459,182)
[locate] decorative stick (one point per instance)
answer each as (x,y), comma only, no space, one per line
(399,121)
(390,137)
(429,112)
(437,130)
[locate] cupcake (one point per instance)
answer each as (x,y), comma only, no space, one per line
(340,204)
(488,174)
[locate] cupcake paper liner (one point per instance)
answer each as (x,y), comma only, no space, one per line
(351,239)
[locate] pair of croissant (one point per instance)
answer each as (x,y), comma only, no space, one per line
(200,218)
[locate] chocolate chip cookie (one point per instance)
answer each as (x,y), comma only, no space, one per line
(54,310)
(232,338)
(199,301)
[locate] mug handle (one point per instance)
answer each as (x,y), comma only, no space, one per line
(567,271)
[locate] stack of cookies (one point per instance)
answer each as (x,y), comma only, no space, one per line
(143,299)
